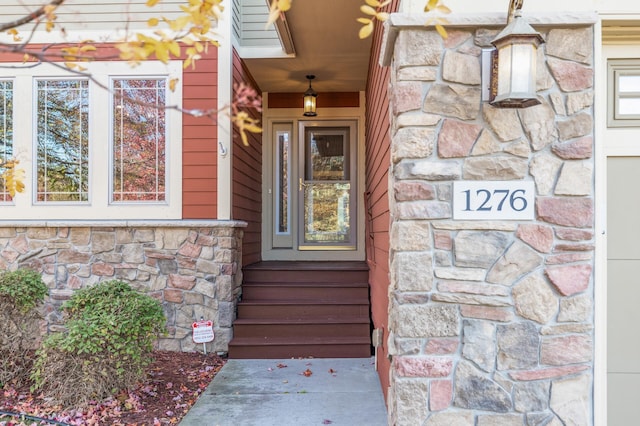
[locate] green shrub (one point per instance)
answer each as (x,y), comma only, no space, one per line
(23,288)
(110,333)
(21,292)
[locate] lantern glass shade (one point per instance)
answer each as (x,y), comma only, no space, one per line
(514,68)
(310,103)
(309,99)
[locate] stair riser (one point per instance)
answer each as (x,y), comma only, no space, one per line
(302,311)
(299,330)
(315,351)
(274,292)
(306,276)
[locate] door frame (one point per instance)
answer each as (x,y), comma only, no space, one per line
(293,116)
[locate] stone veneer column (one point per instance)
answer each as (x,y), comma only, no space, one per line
(491,322)
(192,267)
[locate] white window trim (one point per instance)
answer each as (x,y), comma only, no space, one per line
(99,206)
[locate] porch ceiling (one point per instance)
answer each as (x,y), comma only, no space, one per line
(325,36)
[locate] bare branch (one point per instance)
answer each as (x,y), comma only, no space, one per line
(31,17)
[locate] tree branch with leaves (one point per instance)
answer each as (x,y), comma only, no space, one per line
(185,37)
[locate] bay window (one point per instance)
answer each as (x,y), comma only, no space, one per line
(100,146)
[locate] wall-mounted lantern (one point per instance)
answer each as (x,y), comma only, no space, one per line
(310,99)
(513,65)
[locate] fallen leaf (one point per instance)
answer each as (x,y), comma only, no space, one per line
(307,373)
(332,371)
(282,365)
(326,422)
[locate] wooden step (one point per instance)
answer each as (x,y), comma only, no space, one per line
(301,328)
(305,272)
(306,290)
(280,348)
(288,309)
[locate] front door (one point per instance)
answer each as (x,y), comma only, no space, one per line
(313,192)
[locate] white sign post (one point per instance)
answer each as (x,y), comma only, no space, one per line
(202,333)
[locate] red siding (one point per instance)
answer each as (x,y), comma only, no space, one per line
(377,169)
(200,140)
(247,177)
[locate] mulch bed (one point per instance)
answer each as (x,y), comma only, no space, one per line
(174,382)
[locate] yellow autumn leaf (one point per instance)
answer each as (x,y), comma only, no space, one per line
(382,16)
(48,9)
(276,8)
(368,10)
(172,84)
(273,17)
(284,5)
(440,29)
(152,3)
(153,22)
(245,124)
(13,178)
(366,30)
(373,3)
(363,21)
(431,4)
(13,32)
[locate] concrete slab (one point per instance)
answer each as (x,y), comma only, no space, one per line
(343,391)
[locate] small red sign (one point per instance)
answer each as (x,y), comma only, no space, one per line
(202,331)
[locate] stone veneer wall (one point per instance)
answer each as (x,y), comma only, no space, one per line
(192,267)
(491,322)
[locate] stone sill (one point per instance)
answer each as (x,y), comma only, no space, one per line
(404,21)
(123,224)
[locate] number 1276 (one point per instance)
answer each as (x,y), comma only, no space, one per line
(493,200)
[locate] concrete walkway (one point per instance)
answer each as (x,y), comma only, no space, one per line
(292,392)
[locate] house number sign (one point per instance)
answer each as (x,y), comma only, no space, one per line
(493,200)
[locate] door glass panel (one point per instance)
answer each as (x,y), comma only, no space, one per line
(326,212)
(283,183)
(327,187)
(284,186)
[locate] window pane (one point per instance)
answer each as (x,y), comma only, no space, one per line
(63,140)
(629,106)
(6,131)
(629,83)
(139,140)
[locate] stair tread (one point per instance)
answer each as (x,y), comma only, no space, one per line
(308,266)
(328,284)
(267,302)
(306,320)
(250,341)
